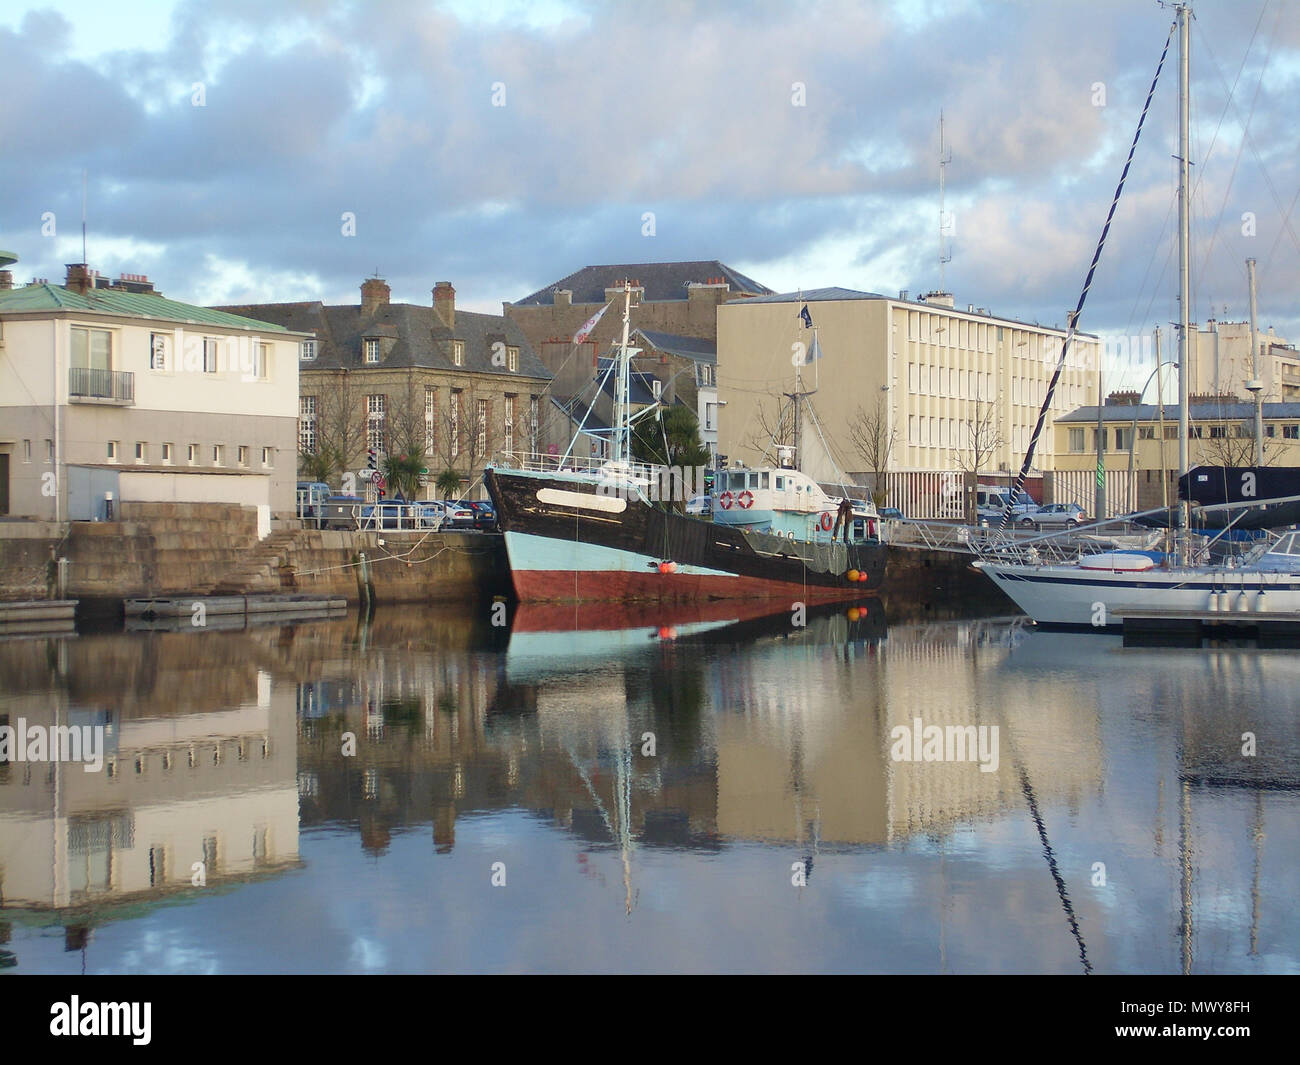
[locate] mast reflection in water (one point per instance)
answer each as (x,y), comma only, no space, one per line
(613,788)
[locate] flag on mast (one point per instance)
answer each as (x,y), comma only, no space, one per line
(815,351)
(580,337)
(807,318)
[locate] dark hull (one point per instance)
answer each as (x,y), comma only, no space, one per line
(566,552)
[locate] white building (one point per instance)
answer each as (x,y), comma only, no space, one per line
(110,393)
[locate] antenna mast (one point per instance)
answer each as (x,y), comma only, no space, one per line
(945,256)
(83,215)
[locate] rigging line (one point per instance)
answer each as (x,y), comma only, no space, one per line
(1247,138)
(1209,248)
(1073,322)
(1285,225)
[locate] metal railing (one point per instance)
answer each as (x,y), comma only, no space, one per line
(407,518)
(85,382)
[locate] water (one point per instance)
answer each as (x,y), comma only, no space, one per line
(686,792)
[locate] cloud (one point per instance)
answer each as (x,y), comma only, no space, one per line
(754,133)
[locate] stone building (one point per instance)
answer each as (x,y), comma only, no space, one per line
(458,387)
(673,320)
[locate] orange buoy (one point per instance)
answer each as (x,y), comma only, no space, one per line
(853,575)
(854,613)
(663,567)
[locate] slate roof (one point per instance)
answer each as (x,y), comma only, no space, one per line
(47,297)
(698,349)
(661,281)
(571,407)
(421,338)
(640,390)
(1197,412)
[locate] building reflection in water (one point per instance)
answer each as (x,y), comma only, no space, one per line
(199,767)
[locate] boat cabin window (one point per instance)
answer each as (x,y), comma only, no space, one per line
(762,480)
(753,480)
(780,484)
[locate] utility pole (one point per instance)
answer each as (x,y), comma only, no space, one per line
(1255,386)
(944,159)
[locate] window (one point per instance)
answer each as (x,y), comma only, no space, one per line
(1270,430)
(780,484)
(1195,432)
(261,360)
(111,451)
(430,420)
(371,349)
(1171,432)
(510,424)
(307,424)
(307,350)
(376,413)
(710,416)
(218,454)
(1146,432)
(454,423)
(481,428)
(705,375)
(158,351)
(27,451)
(532,424)
(512,359)
(167,453)
(1291,432)
(268,457)
(193,454)
(1217,432)
(140,450)
(92,349)
(1123,438)
(458,353)
(49,449)
(242,454)
(209,355)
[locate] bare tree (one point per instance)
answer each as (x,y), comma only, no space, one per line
(771,427)
(983,437)
(1232,444)
(340,416)
(874,438)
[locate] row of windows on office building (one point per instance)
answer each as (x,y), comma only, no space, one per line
(93,349)
(143,452)
(371,353)
(949,382)
(1082,439)
(459,422)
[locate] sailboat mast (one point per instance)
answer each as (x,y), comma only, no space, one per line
(622,430)
(1184,314)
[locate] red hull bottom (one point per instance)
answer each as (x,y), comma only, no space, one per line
(539,585)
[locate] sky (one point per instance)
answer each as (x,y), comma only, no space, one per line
(244,151)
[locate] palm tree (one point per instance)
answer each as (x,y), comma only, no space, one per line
(403,473)
(448,483)
(319,465)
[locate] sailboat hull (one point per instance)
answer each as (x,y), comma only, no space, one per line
(569,542)
(1070,597)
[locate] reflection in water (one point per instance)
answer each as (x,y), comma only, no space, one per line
(690,775)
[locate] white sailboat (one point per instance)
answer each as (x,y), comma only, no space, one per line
(1097,591)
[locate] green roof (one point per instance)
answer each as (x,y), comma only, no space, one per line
(47,297)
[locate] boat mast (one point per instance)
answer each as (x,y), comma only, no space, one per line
(1184,314)
(622,427)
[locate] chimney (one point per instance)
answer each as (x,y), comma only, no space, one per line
(444,303)
(563,297)
(80,279)
(374,294)
(6,279)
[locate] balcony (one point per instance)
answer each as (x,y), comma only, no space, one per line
(114,387)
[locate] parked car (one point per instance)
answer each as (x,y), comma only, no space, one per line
(454,515)
(311,497)
(1062,514)
(485,515)
(392,514)
(701,506)
(891,514)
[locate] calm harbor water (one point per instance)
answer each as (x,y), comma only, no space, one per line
(606,789)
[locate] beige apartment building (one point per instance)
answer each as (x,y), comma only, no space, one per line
(111,393)
(951,389)
(1220,362)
